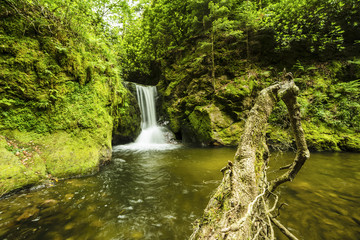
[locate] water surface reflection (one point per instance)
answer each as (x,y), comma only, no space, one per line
(158,194)
(324,198)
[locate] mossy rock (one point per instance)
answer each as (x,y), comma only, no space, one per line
(16,170)
(279,138)
(56,155)
(350,142)
(71,156)
(208,125)
(175,118)
(200,126)
(127,125)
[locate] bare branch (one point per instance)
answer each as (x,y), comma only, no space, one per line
(302,154)
(284,230)
(286,167)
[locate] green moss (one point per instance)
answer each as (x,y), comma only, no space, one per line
(175,120)
(230,135)
(20,166)
(279,137)
(350,142)
(60,91)
(236,89)
(320,138)
(201,125)
(69,156)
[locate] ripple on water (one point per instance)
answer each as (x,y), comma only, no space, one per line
(137,147)
(136,201)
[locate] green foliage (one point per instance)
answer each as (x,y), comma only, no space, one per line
(314,26)
(44,76)
(329,106)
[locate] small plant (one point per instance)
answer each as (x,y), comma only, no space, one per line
(43,104)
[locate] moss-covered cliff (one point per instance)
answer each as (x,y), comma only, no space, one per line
(61,99)
(212,111)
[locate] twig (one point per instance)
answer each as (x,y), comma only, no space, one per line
(257,234)
(285,167)
(278,210)
(275,203)
(236,226)
(272,235)
(284,230)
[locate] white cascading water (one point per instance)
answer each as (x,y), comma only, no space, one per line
(152,136)
(151,133)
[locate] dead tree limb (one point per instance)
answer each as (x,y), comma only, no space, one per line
(283,229)
(302,153)
(239,207)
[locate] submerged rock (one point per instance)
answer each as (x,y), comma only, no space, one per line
(69,196)
(28,214)
(49,203)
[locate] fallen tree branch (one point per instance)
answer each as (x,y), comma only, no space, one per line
(302,153)
(239,207)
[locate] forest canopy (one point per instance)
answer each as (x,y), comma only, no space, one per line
(248,29)
(146,32)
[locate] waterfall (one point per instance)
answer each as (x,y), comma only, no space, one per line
(152,136)
(151,133)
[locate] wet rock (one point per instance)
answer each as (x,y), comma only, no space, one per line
(69,196)
(28,214)
(49,203)
(137,235)
(69,226)
(97,223)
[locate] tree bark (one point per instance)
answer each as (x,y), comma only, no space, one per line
(239,207)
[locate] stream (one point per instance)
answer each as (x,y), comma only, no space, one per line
(158,194)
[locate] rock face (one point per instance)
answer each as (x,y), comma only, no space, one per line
(61,101)
(201,114)
(211,111)
(127,127)
(210,126)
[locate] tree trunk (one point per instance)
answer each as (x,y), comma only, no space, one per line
(213,58)
(239,207)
